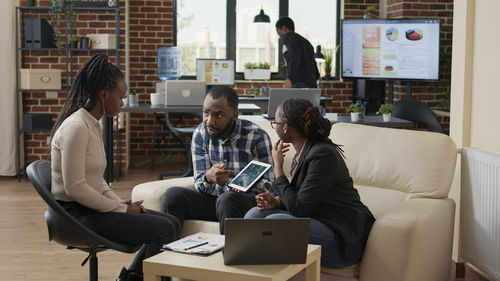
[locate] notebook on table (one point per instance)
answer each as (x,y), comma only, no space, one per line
(279,95)
(265,241)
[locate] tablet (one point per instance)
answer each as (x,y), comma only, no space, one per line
(252,172)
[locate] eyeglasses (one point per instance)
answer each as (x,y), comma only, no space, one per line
(273,123)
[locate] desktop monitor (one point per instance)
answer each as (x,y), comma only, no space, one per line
(215,71)
(391,49)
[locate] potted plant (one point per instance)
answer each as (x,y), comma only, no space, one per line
(386,109)
(73,42)
(257,71)
(370,12)
(58,8)
(355,109)
(328,65)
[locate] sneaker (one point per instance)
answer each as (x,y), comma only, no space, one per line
(129,275)
(123,275)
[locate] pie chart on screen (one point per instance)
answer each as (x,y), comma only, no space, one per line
(414,34)
(392,34)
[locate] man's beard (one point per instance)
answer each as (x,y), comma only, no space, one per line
(222,132)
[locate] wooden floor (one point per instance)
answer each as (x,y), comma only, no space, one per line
(26,253)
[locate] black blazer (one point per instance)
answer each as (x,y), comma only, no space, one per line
(299,58)
(322,189)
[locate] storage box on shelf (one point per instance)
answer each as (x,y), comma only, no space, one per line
(102,41)
(41,79)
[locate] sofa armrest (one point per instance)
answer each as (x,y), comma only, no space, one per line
(411,242)
(152,192)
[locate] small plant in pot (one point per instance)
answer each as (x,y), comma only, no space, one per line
(73,42)
(355,109)
(386,110)
(370,12)
(257,71)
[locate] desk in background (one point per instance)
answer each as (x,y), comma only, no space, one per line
(375,120)
(263,101)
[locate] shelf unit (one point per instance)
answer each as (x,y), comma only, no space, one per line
(20,55)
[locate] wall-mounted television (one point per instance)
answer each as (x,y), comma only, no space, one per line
(391,49)
(215,71)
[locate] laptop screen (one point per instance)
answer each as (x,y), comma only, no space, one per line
(278,95)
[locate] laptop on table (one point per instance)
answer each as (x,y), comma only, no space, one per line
(265,241)
(278,95)
(182,92)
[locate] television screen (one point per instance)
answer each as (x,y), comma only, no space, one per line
(215,71)
(391,49)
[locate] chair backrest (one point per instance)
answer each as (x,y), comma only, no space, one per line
(182,131)
(418,112)
(62,227)
(414,162)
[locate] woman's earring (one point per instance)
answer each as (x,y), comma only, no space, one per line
(103,107)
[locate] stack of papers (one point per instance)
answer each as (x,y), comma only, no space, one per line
(199,243)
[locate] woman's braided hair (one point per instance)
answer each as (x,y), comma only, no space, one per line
(308,121)
(95,75)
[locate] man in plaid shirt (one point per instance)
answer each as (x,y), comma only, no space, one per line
(222,146)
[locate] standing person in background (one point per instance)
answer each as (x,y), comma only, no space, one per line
(78,163)
(298,53)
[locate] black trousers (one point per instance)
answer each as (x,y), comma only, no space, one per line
(152,230)
(186,203)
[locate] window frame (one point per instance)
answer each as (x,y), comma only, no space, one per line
(231,38)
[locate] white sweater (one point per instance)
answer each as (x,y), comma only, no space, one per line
(78,163)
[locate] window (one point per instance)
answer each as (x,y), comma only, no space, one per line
(201,31)
(256,42)
(306,21)
(224,29)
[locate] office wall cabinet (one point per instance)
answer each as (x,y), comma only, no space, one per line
(43,70)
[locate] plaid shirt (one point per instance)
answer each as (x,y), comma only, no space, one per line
(247,142)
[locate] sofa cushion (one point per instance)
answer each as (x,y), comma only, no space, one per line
(152,192)
(392,159)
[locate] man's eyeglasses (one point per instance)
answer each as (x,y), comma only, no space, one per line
(274,123)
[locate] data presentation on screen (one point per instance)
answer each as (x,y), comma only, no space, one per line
(397,49)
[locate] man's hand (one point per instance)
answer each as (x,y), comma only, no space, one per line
(267,201)
(217,174)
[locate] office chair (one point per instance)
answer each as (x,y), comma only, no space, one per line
(418,112)
(66,230)
(183,134)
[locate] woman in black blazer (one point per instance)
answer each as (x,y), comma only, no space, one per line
(321,188)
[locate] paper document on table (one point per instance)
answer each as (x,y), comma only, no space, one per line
(198,243)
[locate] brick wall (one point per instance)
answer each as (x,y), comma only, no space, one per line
(151,27)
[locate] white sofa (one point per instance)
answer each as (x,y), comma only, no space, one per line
(404,177)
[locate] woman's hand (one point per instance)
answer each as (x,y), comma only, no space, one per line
(267,201)
(279,151)
(135,207)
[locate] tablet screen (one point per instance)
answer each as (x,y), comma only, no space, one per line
(249,175)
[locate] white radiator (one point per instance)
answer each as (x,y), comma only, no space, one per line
(480,210)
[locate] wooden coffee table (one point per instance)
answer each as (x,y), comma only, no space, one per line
(212,268)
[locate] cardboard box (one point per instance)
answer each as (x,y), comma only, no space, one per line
(102,41)
(41,79)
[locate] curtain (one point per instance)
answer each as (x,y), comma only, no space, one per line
(8,126)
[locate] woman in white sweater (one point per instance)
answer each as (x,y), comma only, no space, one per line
(78,163)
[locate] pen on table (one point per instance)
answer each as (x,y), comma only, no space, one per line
(195,246)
